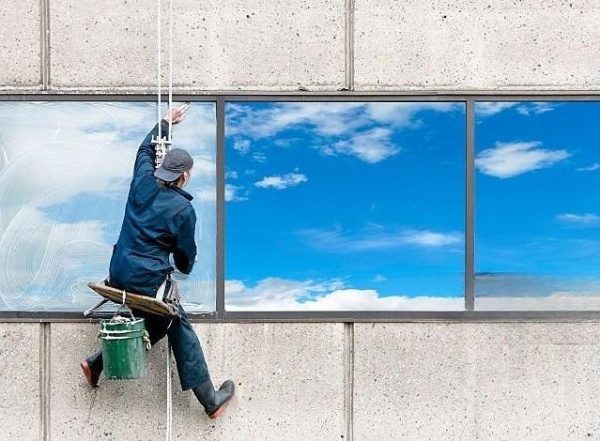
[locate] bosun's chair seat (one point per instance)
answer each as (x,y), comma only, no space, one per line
(135,301)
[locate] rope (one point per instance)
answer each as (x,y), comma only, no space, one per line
(162,145)
(158,65)
(169,431)
(170,66)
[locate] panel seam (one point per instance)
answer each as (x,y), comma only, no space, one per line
(45,43)
(44,379)
(349,381)
(349,44)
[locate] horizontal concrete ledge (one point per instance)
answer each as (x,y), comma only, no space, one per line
(501,94)
(366,317)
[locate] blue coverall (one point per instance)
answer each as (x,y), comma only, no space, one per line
(159,221)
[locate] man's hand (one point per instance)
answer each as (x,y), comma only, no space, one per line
(176,114)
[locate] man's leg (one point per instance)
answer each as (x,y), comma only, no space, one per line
(192,368)
(191,364)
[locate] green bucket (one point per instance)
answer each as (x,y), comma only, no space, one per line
(123,348)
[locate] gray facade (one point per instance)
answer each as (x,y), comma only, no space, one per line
(406,380)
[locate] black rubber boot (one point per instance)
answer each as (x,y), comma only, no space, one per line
(214,402)
(92,367)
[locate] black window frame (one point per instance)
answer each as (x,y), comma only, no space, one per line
(469,314)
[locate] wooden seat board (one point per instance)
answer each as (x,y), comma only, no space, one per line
(135,301)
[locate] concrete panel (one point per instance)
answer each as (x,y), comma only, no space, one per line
(118,410)
(289,378)
(20,44)
(497,44)
(477,381)
(217,45)
(92,44)
(19,381)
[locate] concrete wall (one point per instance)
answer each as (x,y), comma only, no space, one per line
(319,45)
(419,381)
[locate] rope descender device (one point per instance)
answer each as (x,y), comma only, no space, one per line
(161,147)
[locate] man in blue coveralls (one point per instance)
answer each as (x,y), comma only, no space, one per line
(160,221)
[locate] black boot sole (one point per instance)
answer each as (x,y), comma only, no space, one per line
(221,409)
(87,371)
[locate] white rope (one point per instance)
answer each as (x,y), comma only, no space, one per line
(169,431)
(170,66)
(159,67)
(161,149)
(162,146)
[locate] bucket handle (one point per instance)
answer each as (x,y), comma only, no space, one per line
(124,305)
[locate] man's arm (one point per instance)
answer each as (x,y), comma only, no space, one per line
(146,154)
(184,254)
(145,160)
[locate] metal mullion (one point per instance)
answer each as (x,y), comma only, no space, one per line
(220,292)
(408,316)
(334,316)
(341,97)
(302,96)
(104,97)
(456,95)
(589,96)
(470,207)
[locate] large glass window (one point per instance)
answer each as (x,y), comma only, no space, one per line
(537,206)
(329,205)
(65,169)
(345,205)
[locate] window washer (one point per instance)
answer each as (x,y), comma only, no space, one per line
(160,220)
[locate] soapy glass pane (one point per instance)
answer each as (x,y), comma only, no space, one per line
(65,169)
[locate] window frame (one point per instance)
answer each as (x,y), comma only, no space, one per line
(469,314)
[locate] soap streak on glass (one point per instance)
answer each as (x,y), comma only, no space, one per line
(65,169)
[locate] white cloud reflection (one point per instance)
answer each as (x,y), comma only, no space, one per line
(277,294)
(490,108)
(281,182)
(377,238)
(506,160)
(585,219)
(360,129)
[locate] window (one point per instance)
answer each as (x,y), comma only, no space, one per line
(330,204)
(537,206)
(345,206)
(65,169)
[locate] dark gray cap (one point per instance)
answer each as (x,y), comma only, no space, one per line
(175,162)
